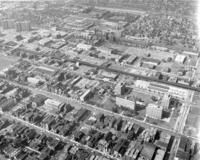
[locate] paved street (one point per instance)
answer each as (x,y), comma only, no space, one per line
(94,108)
(50,133)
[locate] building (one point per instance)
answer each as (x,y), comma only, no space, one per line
(105,50)
(45,41)
(52,103)
(171,90)
(165,101)
(159,48)
(120,89)
(125,103)
(88,93)
(12,93)
(142,84)
(178,92)
(131,59)
(38,100)
(22,26)
(159,154)
(180,58)
(83,46)
(7,104)
(110,75)
(151,61)
(148,151)
(43,70)
(33,81)
(8,24)
(191,53)
(154,111)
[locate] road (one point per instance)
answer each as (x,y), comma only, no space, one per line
(96,109)
(134,75)
(52,134)
(180,124)
(118,10)
(126,73)
(174,75)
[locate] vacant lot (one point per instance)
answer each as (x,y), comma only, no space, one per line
(6,61)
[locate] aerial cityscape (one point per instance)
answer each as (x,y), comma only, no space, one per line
(99,80)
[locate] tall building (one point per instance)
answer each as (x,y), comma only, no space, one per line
(8,24)
(23,26)
(165,101)
(18,26)
(120,89)
(154,111)
(26,26)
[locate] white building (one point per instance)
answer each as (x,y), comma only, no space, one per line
(190,53)
(45,41)
(125,103)
(178,92)
(142,84)
(165,101)
(120,88)
(52,103)
(86,95)
(154,111)
(33,81)
(180,58)
(12,93)
(171,90)
(84,46)
(160,48)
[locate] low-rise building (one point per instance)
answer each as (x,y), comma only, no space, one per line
(33,81)
(38,100)
(12,93)
(88,93)
(148,150)
(180,58)
(52,103)
(142,84)
(131,59)
(83,46)
(171,90)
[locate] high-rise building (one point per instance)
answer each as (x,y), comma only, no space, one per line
(18,27)
(8,24)
(26,26)
(23,26)
(165,101)
(120,89)
(154,111)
